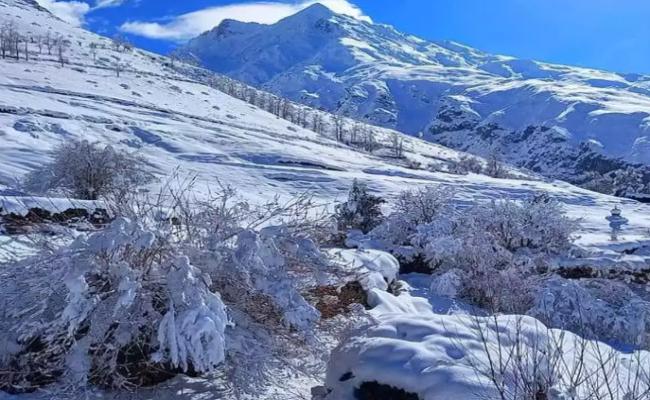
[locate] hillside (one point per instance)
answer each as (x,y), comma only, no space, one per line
(553,119)
(177,122)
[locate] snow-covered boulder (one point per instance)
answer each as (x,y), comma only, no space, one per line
(435,357)
(374,269)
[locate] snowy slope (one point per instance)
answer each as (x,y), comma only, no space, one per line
(536,114)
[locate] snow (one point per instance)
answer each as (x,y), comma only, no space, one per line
(193,330)
(444,356)
(184,127)
(178,124)
(377,269)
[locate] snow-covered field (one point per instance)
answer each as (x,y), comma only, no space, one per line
(185,128)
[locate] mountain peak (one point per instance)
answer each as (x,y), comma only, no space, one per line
(315,11)
(232,26)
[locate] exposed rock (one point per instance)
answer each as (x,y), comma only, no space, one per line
(377,391)
(13,224)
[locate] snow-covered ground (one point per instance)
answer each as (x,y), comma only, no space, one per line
(184,127)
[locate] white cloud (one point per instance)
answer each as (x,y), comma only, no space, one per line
(69,11)
(107,3)
(74,11)
(187,26)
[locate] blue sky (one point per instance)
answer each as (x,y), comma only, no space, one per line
(607,34)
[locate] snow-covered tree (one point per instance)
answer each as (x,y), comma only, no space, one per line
(361,210)
(85,170)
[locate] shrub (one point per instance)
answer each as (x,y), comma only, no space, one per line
(595,308)
(157,292)
(88,171)
(499,246)
(537,224)
(466,165)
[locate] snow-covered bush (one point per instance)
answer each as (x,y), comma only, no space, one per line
(412,210)
(423,206)
(167,288)
(596,308)
(502,246)
(360,211)
(538,224)
(84,170)
(119,293)
(499,245)
(466,165)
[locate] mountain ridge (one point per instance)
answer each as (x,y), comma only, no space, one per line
(379,75)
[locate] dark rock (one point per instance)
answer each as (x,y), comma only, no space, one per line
(416,265)
(14,224)
(377,391)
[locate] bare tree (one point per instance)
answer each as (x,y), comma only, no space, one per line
(368,140)
(121,43)
(494,167)
(16,39)
(317,123)
(355,132)
(93,50)
(339,128)
(397,145)
(180,56)
(10,39)
(26,41)
(39,44)
(4,40)
(49,42)
(118,67)
(61,47)
(85,170)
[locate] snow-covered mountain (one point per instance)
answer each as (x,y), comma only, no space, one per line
(550,118)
